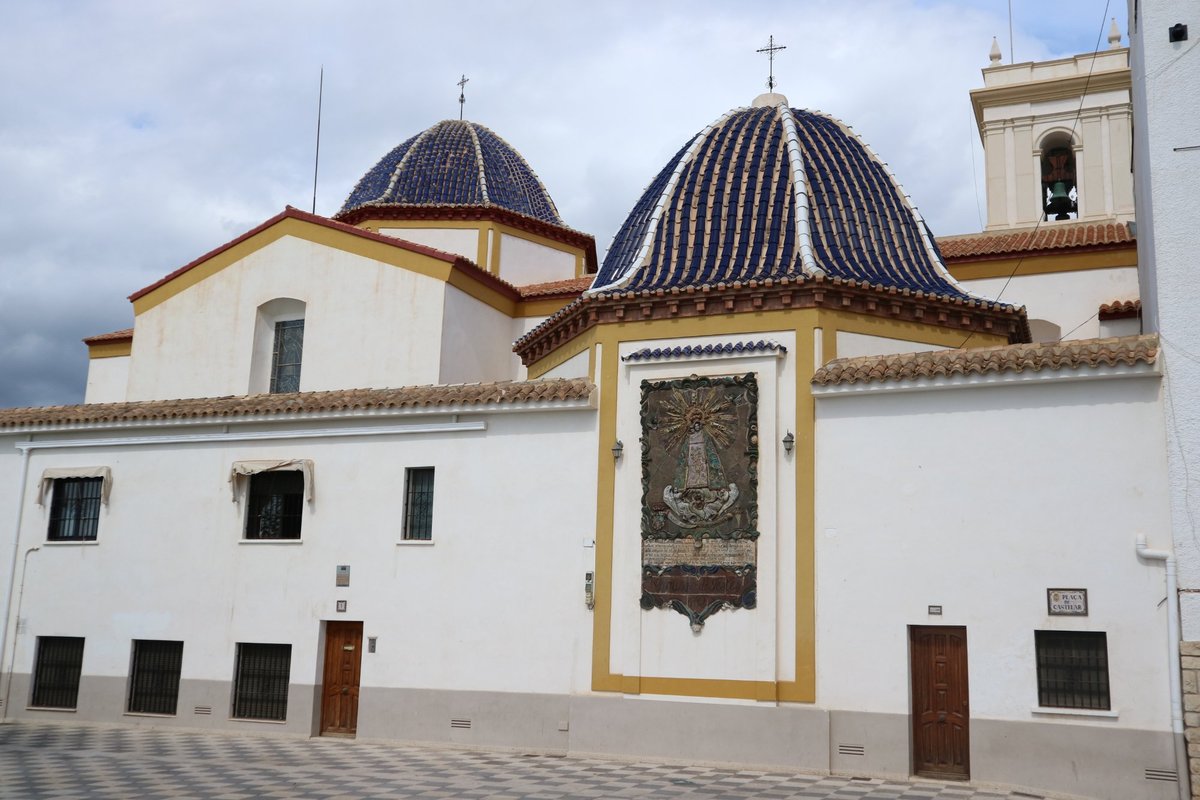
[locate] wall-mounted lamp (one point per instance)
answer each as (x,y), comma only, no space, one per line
(789,442)
(617,450)
(1177,33)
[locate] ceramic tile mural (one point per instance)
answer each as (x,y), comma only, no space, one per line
(699,494)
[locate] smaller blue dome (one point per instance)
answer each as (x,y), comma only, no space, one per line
(455,163)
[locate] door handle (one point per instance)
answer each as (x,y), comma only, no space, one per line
(346,690)
(941,714)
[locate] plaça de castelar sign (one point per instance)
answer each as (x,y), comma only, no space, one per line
(1067,602)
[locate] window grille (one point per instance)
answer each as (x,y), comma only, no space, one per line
(56,671)
(418,503)
(1072,669)
(154,677)
(286,356)
(75,510)
(276,505)
(260,688)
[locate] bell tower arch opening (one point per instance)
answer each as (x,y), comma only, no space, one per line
(1059,177)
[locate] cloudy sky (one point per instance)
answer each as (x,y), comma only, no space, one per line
(135,136)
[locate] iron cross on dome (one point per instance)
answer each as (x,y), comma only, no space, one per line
(771,49)
(462,97)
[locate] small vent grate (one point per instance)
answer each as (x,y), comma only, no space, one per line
(202,710)
(460,723)
(1161,775)
(851,750)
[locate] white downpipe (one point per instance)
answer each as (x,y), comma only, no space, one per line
(12,568)
(1181,758)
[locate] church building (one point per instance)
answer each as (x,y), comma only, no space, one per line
(785,480)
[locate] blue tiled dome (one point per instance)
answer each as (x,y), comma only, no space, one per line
(455,163)
(772,191)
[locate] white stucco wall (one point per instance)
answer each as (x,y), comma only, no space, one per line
(979,500)
(494,603)
(852,345)
(107,380)
(1066,299)
(1167,165)
(367,324)
(476,341)
(523,262)
(460,241)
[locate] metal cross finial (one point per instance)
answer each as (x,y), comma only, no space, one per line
(771,49)
(462,97)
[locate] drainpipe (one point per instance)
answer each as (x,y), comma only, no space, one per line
(1181,757)
(12,660)
(12,566)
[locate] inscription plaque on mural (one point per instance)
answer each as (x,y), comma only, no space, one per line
(700,495)
(1067,602)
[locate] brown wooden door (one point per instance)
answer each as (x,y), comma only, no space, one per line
(343,661)
(940,711)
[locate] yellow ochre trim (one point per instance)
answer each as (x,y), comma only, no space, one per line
(564,354)
(306,231)
(1044,264)
(110,349)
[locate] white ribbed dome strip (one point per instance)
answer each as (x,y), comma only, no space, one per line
(479,161)
(922,228)
(400,166)
(808,261)
(660,208)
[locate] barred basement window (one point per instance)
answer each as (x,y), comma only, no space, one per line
(286,356)
(276,505)
(154,676)
(75,509)
(56,670)
(260,683)
(418,503)
(1072,669)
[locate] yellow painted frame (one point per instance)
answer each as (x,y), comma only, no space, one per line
(606,339)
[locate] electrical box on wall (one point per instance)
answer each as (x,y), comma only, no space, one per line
(343,575)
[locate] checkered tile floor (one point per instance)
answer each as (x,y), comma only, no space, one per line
(78,762)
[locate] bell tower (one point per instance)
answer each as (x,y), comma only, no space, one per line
(1057,138)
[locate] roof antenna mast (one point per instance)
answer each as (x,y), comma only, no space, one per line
(771,49)
(317,157)
(462,97)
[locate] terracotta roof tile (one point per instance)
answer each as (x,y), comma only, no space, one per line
(255,405)
(123,335)
(1121,309)
(1038,356)
(1028,241)
(571,287)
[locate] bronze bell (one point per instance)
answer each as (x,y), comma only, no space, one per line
(1060,202)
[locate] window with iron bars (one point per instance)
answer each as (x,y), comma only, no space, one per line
(286,356)
(418,503)
(260,683)
(75,510)
(276,505)
(56,670)
(154,676)
(1072,669)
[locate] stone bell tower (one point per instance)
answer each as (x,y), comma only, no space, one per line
(1057,137)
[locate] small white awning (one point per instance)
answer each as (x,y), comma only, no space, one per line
(242,470)
(54,473)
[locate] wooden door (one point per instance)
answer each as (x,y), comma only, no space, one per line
(940,709)
(343,662)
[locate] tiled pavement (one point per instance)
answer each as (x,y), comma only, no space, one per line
(84,762)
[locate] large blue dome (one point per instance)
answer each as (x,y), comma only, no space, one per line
(455,163)
(771,191)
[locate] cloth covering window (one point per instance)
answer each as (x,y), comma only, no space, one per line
(239,475)
(49,476)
